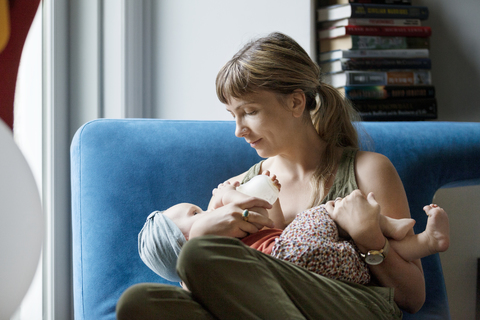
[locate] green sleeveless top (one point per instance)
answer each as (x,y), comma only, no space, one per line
(343,184)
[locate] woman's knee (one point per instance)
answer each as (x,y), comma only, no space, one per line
(199,255)
(132,302)
(197,251)
(151,301)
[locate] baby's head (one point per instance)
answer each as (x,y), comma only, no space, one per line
(183,215)
(168,230)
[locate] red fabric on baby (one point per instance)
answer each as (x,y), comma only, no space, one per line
(263,240)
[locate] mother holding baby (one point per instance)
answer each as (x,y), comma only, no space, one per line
(305,130)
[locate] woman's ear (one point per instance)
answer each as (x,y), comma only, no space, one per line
(297,102)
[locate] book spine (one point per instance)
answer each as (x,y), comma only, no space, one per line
(389,92)
(386,31)
(416,115)
(324,3)
(385,43)
(407,78)
(364,78)
(385,22)
(369,22)
(385,63)
(360,10)
(405,109)
(399,53)
(397,2)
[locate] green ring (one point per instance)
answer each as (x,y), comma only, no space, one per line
(245,213)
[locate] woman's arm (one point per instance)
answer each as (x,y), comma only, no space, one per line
(375,173)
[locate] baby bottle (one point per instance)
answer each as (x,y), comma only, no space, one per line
(262,187)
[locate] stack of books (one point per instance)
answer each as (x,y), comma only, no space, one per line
(377,53)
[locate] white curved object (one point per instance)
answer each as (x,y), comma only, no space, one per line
(21,224)
(260,186)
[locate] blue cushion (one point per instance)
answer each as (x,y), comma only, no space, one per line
(121,170)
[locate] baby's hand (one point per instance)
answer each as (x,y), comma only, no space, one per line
(219,192)
(273,178)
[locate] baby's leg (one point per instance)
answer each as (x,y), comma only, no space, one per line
(395,229)
(437,229)
(435,238)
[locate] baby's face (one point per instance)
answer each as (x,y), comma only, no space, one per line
(183,215)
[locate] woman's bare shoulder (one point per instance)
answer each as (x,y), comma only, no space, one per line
(374,168)
(376,173)
(367,160)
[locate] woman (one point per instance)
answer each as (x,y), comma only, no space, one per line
(304,129)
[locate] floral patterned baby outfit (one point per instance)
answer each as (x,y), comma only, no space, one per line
(311,241)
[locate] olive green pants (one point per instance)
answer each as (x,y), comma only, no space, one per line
(229,280)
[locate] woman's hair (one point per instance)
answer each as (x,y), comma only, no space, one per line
(278,64)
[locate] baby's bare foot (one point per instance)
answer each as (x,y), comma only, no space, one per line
(396,229)
(438,228)
(273,178)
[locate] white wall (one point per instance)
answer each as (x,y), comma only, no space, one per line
(460,261)
(193,39)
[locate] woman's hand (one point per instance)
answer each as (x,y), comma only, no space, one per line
(229,221)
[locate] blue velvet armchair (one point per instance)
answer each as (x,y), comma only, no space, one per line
(121,170)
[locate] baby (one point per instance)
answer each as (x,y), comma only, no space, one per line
(311,240)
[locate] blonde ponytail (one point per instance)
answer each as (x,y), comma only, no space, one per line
(333,119)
